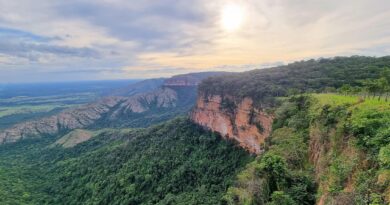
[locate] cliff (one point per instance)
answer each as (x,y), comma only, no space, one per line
(239,121)
(347,137)
(325,149)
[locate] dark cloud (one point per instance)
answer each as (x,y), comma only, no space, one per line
(31,46)
(34,51)
(12,34)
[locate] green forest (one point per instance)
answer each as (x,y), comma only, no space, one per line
(172,163)
(321,75)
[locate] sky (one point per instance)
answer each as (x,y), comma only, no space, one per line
(72,40)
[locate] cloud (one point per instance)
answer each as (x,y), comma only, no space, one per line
(11,34)
(34,52)
(22,44)
(134,39)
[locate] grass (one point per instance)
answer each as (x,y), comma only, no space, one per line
(353,102)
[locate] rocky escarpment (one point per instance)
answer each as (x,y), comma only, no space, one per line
(161,98)
(239,121)
(134,106)
(109,108)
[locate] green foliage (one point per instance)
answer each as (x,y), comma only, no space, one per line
(275,168)
(302,187)
(384,156)
(372,128)
(249,188)
(293,113)
(172,163)
(280,198)
(345,89)
(290,145)
(340,169)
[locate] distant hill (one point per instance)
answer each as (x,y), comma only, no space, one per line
(137,105)
(191,79)
(139,87)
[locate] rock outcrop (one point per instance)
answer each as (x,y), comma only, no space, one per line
(239,121)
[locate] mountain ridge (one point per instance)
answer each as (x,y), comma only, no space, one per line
(160,96)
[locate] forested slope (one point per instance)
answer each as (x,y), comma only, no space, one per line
(172,163)
(304,76)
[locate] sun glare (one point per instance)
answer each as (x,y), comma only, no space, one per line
(232,17)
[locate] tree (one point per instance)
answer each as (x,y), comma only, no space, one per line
(385,79)
(345,89)
(383,87)
(275,167)
(356,90)
(292,92)
(280,198)
(371,86)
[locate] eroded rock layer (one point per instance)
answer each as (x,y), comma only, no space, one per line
(239,121)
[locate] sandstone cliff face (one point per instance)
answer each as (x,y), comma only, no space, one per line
(243,123)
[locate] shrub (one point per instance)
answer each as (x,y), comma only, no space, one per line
(384,156)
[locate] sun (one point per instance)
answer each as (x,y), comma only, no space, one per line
(232,17)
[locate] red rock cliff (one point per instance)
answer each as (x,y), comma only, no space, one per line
(244,123)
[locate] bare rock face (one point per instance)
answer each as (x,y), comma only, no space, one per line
(239,121)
